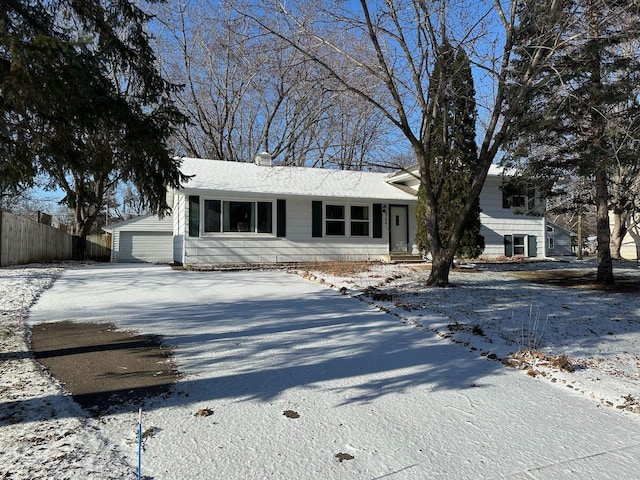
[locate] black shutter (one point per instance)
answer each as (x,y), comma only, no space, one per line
(281,212)
(377,220)
(533,245)
(316,218)
(194,216)
(508,246)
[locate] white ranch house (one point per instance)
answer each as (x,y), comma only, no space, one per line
(241,213)
(233,212)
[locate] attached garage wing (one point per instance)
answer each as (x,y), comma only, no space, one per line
(142,239)
(152,247)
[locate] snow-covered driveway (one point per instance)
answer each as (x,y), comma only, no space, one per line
(404,403)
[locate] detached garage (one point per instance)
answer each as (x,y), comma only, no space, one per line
(142,239)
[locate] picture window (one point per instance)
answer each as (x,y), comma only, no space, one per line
(238,216)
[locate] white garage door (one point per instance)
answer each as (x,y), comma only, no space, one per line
(152,247)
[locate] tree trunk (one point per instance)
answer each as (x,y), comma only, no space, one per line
(82,230)
(83,227)
(598,142)
(618,233)
(440,267)
(580,236)
(605,264)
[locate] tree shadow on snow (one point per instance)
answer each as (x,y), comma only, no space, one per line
(258,349)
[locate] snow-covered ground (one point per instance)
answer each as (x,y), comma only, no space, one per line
(494,312)
(399,379)
(44,434)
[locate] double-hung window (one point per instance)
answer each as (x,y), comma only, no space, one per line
(518,201)
(519,245)
(347,220)
(335,217)
(238,216)
(521,199)
(359,221)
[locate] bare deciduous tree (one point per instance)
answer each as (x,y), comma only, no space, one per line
(384,52)
(247,92)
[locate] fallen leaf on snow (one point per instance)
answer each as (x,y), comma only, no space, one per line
(344,456)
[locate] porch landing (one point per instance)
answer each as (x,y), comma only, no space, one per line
(404,257)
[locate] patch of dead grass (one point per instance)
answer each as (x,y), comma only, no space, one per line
(579,279)
(341,269)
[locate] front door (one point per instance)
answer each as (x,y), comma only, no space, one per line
(399,228)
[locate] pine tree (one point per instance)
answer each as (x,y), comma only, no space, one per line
(570,123)
(83,103)
(453,152)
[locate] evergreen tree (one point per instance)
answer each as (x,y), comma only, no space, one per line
(453,153)
(570,124)
(83,103)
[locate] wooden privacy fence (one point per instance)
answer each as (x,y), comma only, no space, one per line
(98,247)
(23,240)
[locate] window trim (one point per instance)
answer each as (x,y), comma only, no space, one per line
(250,233)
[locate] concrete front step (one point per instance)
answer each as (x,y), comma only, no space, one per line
(405,258)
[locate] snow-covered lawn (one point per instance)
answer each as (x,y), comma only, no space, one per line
(403,383)
(494,311)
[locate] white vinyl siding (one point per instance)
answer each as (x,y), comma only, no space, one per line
(297,246)
(179,226)
(498,222)
(630,248)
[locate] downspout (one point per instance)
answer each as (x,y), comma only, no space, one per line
(1,220)
(545,232)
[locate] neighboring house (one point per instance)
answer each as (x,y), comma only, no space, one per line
(507,230)
(591,245)
(142,239)
(558,240)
